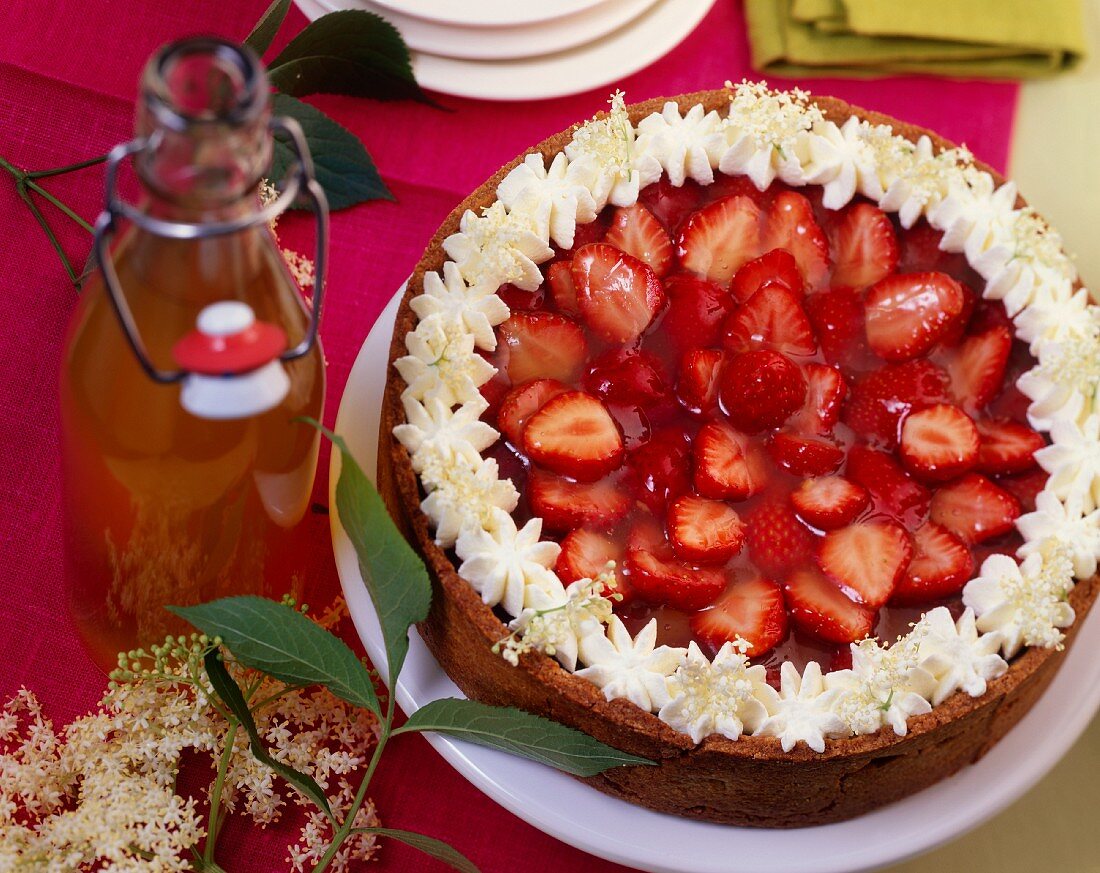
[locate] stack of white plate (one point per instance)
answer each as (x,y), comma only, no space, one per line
(529,49)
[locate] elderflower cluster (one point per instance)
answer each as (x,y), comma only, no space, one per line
(763,136)
(554,622)
(101,792)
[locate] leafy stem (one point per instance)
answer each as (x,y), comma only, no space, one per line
(361,792)
(217,814)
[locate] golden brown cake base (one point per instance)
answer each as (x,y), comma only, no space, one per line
(748,782)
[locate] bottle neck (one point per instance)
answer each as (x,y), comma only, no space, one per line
(205,113)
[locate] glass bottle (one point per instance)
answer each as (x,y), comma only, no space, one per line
(187,361)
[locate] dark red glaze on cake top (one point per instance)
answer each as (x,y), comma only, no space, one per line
(783,423)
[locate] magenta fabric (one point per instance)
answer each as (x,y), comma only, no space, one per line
(68,73)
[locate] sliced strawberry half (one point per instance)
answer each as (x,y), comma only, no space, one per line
(559,275)
(939,443)
(720,237)
(941,566)
(865,247)
(880,400)
(974,509)
(574,435)
(760,389)
(790,225)
(631,377)
(704,531)
(521,403)
(637,232)
(752,610)
(697,308)
(774,319)
(660,470)
(894,492)
(725,468)
(661,579)
(867,558)
(818,607)
(1007,447)
(647,533)
(1025,487)
(805,455)
(829,502)
(777,267)
(838,319)
(697,385)
(777,540)
(670,204)
(584,555)
(908,313)
(825,392)
(564,505)
(617,294)
(978,367)
(543,345)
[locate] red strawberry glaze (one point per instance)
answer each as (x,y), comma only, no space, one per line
(656,384)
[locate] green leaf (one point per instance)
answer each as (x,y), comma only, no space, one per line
(519,732)
(394,574)
(343,167)
(428,845)
(348,52)
(231,695)
(259,40)
(283,643)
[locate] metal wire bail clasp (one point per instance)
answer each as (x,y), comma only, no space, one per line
(300,180)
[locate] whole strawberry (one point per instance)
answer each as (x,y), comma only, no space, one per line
(761,389)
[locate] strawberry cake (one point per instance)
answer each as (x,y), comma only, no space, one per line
(755,434)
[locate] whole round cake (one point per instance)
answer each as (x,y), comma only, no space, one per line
(755,434)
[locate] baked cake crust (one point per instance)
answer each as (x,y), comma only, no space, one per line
(750,781)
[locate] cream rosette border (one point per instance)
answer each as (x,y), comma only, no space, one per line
(766,135)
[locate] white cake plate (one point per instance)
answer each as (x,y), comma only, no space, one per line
(617,831)
(595,63)
(489,13)
(503,43)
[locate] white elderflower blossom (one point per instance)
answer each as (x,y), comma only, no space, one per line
(603,148)
(101,794)
(557,198)
(1024,603)
(1078,531)
(442,363)
(476,307)
(805,711)
(1064,385)
(724,696)
(500,561)
(885,686)
(498,246)
(555,622)
(634,669)
(764,131)
(956,656)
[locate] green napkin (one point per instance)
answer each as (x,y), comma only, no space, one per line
(998,39)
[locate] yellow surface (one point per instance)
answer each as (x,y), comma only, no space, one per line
(1056,161)
(1056,152)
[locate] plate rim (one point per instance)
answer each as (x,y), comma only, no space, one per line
(567,32)
(553,75)
(427,13)
(498,775)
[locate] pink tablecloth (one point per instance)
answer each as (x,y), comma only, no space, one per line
(68,71)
